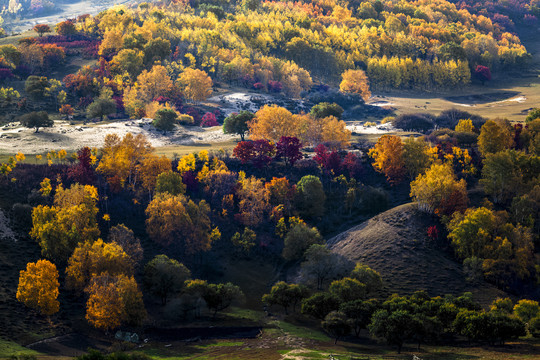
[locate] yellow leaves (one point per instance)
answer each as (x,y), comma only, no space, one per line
(106,217)
(20,157)
(465,125)
(196,85)
(355,81)
(38,287)
(186,163)
(94,259)
(45,187)
(388,158)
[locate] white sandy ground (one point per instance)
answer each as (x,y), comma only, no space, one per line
(5,231)
(15,138)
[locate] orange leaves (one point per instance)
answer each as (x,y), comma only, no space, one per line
(355,81)
(38,287)
(388,158)
(196,85)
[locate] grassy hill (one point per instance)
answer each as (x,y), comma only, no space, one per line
(395,243)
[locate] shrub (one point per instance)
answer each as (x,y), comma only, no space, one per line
(414,122)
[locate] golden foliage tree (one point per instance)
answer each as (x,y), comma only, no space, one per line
(113,301)
(272,122)
(93,259)
(195,84)
(38,287)
(72,219)
(253,202)
(175,219)
(438,191)
(355,81)
(494,136)
(122,157)
(150,168)
(388,159)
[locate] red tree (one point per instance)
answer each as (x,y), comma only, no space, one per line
(83,172)
(288,148)
(482,73)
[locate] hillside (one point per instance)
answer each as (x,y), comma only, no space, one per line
(395,244)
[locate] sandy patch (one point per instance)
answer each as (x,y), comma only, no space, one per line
(5,231)
(15,138)
(359,128)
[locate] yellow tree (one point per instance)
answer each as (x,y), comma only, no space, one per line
(121,157)
(72,219)
(150,168)
(355,81)
(418,156)
(195,84)
(272,122)
(93,259)
(438,191)
(494,136)
(104,308)
(253,203)
(175,219)
(153,83)
(38,287)
(388,158)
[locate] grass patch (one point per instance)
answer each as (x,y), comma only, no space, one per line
(9,348)
(302,331)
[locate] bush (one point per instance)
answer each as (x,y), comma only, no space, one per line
(414,122)
(450,118)
(165,119)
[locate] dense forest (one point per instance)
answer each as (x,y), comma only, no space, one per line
(116,237)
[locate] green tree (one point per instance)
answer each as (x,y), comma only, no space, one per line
(310,197)
(36,86)
(336,324)
(325,109)
(100,108)
(502,174)
(367,276)
(322,265)
(285,295)
(347,289)
(36,119)
(156,50)
(527,310)
(298,240)
(320,304)
(170,182)
(238,123)
(164,276)
(359,313)
(244,241)
(395,327)
(165,119)
(217,297)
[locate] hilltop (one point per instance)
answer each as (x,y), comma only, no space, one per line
(395,243)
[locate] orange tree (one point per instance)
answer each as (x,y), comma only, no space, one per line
(38,287)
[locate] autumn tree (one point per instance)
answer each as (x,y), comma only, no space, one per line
(128,61)
(494,136)
(244,241)
(125,238)
(72,219)
(288,148)
(272,122)
(355,81)
(114,300)
(36,119)
(153,83)
(253,201)
(438,191)
(281,192)
(94,259)
(367,276)
(217,297)
(348,289)
(150,168)
(504,174)
(482,73)
(196,85)
(164,276)
(42,29)
(388,159)
(83,172)
(337,325)
(177,220)
(65,28)
(38,287)
(417,156)
(238,123)
(121,157)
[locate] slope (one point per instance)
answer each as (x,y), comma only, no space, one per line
(395,244)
